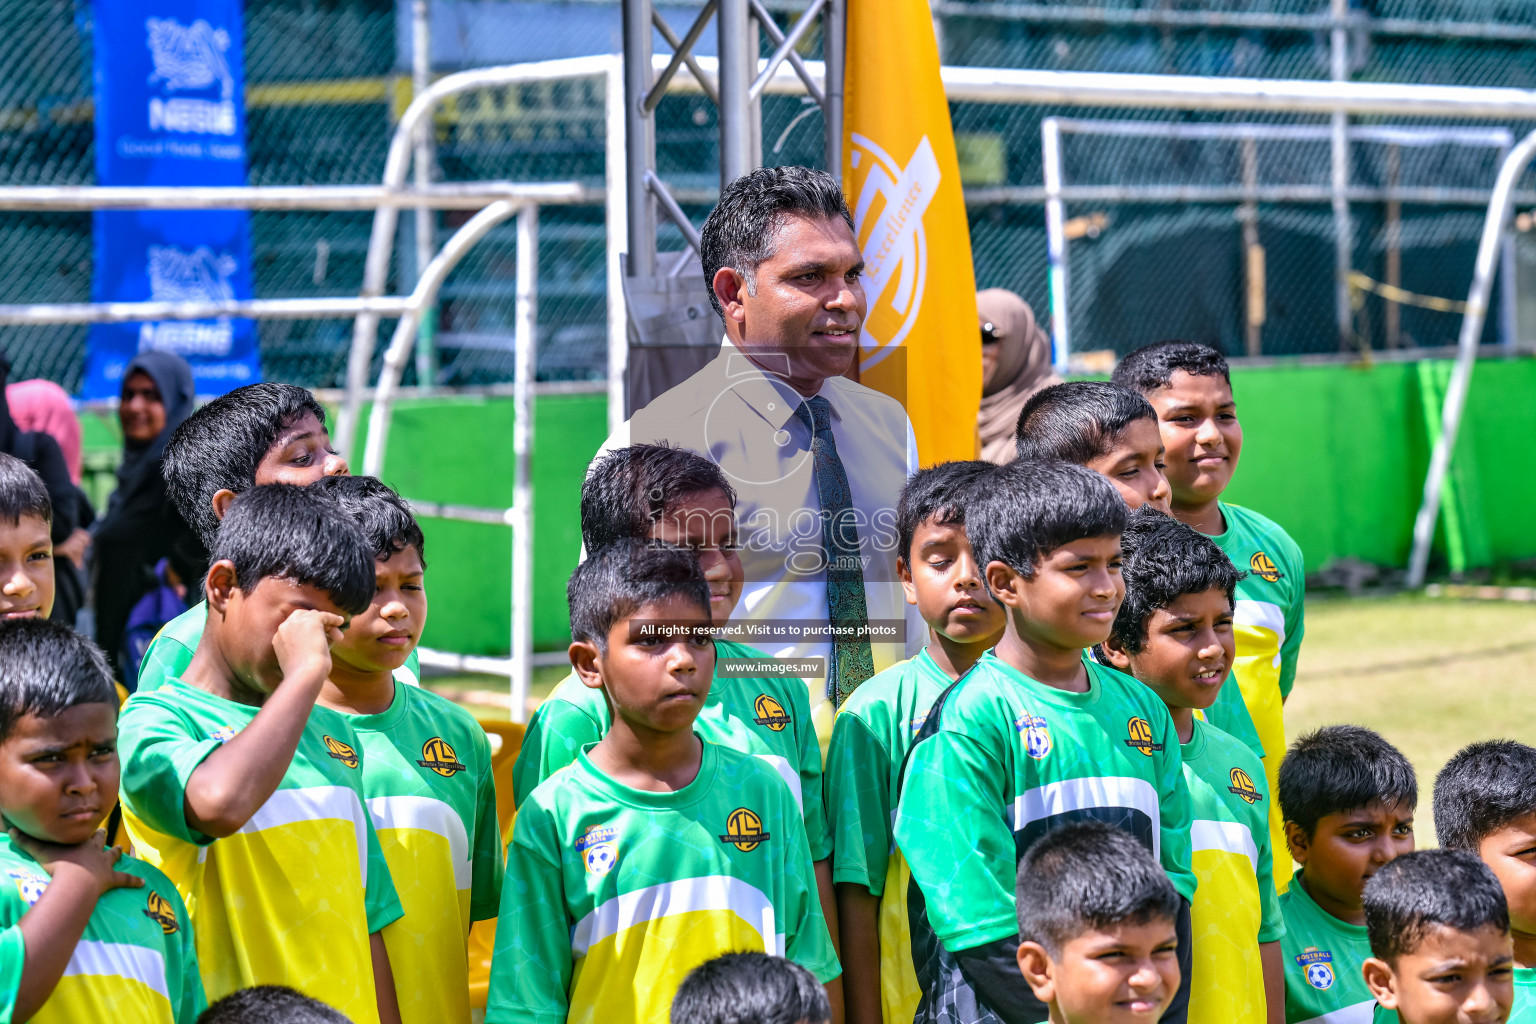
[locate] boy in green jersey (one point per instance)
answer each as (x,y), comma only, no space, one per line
(654,850)
(876,724)
(86,933)
(247,795)
(1174,633)
(1348,798)
(1440,945)
(1032,738)
(26,547)
(1191,389)
(428,780)
(657,492)
(1098,943)
(1485,803)
(750,988)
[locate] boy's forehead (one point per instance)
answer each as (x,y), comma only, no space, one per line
(87,720)
(1185,388)
(281,589)
(1442,942)
(1376,810)
(305,425)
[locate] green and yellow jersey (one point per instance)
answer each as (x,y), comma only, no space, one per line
(428,786)
(1001,761)
(289,899)
(871,735)
(1268,622)
(768,718)
(135,964)
(170,652)
(1322,957)
(1235,907)
(614,894)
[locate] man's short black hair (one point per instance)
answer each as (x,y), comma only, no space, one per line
(219,446)
(298,534)
(741,230)
(628,490)
(1341,768)
(750,988)
(1164,560)
(1089,875)
(1411,894)
(45,669)
(22,492)
(617,581)
(1077,421)
(1152,366)
(1483,788)
(384,516)
(1029,509)
(270,1004)
(940,493)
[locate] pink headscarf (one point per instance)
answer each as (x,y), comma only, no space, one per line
(42,405)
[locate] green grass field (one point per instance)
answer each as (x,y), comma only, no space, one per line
(1430,675)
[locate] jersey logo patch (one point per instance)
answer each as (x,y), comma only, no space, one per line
(341,752)
(744,830)
(28,885)
(1243,787)
(599,849)
(1140,733)
(1264,568)
(1318,966)
(158,910)
(223,733)
(1037,735)
(770,713)
(437,755)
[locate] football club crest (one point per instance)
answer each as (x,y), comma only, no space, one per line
(341,752)
(1262,566)
(1139,735)
(744,830)
(1317,964)
(158,909)
(29,885)
(223,734)
(437,755)
(1037,735)
(599,849)
(1243,787)
(770,713)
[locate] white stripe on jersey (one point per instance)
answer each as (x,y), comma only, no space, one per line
(291,806)
(427,815)
(713,892)
(1227,836)
(1083,794)
(1360,1013)
(119,959)
(787,773)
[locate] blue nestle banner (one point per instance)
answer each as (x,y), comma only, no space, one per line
(170,110)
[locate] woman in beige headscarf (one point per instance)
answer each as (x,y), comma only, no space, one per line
(1015,363)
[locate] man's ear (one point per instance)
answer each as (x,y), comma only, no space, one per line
(731,288)
(222,499)
(1002,581)
(904,573)
(584,655)
(220,585)
(1296,839)
(1116,654)
(1380,979)
(1035,964)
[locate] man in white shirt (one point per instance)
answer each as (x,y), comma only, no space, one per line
(817,460)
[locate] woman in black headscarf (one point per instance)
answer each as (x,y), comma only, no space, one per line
(141,526)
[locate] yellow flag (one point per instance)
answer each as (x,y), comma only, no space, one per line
(921,342)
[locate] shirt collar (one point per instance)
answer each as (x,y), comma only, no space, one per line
(766,394)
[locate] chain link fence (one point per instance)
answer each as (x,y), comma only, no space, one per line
(327,78)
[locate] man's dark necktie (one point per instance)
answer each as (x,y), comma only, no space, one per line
(851,661)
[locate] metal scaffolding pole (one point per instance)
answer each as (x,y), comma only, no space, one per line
(639,137)
(737,65)
(1343,230)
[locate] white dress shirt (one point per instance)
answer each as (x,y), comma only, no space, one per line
(745,420)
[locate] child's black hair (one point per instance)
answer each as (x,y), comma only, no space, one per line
(617,581)
(270,1004)
(1029,509)
(1077,421)
(940,493)
(1152,366)
(1088,875)
(628,490)
(22,492)
(1341,768)
(750,988)
(385,518)
(1164,560)
(1483,788)
(1408,896)
(219,446)
(45,669)
(298,534)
